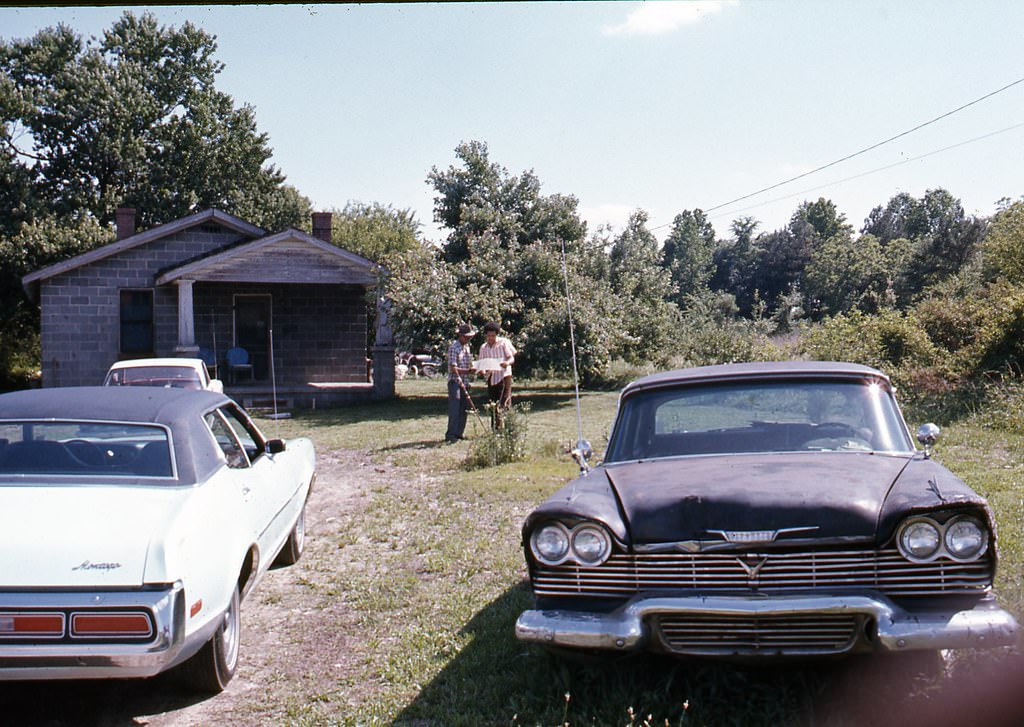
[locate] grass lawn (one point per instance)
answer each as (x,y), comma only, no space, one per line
(432,564)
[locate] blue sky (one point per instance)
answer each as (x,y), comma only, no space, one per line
(661,106)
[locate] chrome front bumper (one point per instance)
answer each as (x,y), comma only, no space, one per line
(890,628)
(80,659)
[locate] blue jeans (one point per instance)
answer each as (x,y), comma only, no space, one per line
(458,405)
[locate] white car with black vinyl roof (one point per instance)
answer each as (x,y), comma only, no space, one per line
(134,521)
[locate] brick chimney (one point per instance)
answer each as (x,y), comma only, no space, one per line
(124,217)
(322,226)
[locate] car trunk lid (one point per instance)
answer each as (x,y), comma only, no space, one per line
(79,535)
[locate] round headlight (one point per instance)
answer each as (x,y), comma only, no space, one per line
(591,545)
(965,539)
(550,544)
(920,539)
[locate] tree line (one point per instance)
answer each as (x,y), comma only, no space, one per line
(134,118)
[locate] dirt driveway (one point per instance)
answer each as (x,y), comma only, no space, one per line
(295,645)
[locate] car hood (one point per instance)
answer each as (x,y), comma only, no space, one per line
(79,536)
(828,495)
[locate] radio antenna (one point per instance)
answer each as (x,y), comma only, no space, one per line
(582,451)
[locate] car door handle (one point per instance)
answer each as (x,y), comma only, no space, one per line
(246,494)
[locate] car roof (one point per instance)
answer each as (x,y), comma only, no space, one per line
(143,404)
(190,363)
(757,370)
(181,410)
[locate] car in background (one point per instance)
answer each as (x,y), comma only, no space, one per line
(169,373)
(764,510)
(420,363)
(134,522)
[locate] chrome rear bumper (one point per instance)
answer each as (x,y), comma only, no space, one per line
(79,659)
(887,626)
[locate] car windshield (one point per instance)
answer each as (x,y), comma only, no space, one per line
(84,448)
(178,377)
(748,417)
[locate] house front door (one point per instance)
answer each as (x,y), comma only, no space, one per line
(252,331)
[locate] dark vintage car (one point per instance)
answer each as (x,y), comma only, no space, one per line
(764,510)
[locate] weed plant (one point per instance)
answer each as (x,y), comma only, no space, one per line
(506,442)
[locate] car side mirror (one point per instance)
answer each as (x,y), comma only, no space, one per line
(581,453)
(217,386)
(276,446)
(928,434)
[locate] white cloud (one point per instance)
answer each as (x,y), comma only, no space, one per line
(657,18)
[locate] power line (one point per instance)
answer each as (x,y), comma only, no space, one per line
(868,148)
(871,171)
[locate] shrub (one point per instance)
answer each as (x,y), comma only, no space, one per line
(500,446)
(891,341)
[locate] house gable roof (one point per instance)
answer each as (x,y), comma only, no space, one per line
(291,256)
(155,233)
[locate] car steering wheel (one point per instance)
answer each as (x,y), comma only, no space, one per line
(86,452)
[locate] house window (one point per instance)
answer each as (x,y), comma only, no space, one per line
(136,321)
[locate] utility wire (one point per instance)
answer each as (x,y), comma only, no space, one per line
(871,171)
(868,148)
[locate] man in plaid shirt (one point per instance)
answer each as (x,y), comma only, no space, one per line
(460,367)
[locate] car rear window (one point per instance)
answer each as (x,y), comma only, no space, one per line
(176,377)
(750,417)
(84,448)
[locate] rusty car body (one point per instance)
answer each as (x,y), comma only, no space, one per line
(764,510)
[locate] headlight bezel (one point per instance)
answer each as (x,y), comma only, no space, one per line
(571,532)
(590,528)
(983,531)
(910,523)
(535,535)
(942,528)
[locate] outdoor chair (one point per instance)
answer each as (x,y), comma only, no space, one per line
(238,363)
(210,359)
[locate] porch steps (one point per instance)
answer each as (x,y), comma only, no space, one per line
(266,404)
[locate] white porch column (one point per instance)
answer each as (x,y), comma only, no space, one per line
(186,321)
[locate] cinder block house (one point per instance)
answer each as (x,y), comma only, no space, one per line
(210,282)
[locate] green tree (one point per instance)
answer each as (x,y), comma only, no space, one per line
(375,230)
(1004,245)
(846,273)
(735,264)
(823,217)
(35,245)
(944,239)
(645,288)
(134,118)
(480,196)
(688,254)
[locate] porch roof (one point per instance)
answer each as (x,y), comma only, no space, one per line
(291,256)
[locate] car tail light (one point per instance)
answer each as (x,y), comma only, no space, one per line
(111,624)
(31,625)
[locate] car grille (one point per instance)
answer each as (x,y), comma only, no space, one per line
(885,571)
(754,635)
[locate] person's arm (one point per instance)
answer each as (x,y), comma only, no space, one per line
(510,354)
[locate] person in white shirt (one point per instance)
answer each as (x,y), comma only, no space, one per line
(499,381)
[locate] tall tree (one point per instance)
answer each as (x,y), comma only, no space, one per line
(736,263)
(1004,244)
(645,288)
(824,218)
(375,230)
(480,196)
(134,118)
(688,254)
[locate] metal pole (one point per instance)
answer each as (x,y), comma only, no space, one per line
(469,398)
(273,377)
